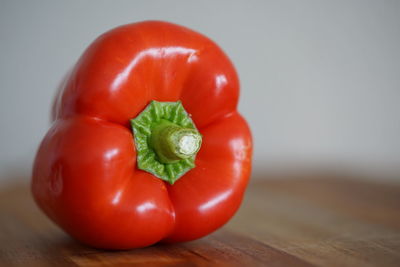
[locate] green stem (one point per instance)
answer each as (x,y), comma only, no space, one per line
(173,143)
(166,140)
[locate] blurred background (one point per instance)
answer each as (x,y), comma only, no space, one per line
(320,80)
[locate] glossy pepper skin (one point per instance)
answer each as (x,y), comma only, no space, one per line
(85,176)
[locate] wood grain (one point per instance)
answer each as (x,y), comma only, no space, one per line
(313,221)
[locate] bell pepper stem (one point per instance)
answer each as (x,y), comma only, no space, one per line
(173,143)
(166,140)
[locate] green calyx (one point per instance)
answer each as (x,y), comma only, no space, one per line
(166,140)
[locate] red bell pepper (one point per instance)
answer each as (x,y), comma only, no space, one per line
(146,145)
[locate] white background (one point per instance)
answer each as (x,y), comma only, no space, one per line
(320,79)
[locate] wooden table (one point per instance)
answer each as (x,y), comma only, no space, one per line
(283,222)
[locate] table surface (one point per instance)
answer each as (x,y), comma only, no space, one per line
(314,221)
